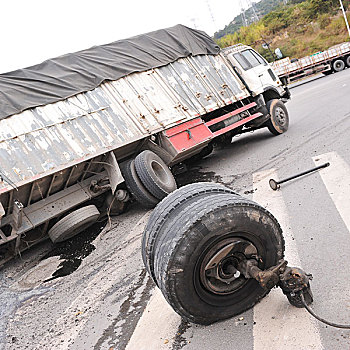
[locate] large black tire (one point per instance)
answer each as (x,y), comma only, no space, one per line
(155,174)
(74,223)
(279,120)
(136,187)
(338,65)
(347,60)
(169,208)
(200,233)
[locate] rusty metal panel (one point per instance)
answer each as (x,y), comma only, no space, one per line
(233,87)
(46,139)
(203,83)
(66,132)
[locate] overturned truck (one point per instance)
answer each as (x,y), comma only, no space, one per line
(83,133)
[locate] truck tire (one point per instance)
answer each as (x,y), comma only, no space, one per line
(167,209)
(279,120)
(74,223)
(348,61)
(225,229)
(338,65)
(154,174)
(136,187)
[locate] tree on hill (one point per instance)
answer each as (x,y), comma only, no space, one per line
(298,28)
(322,6)
(263,7)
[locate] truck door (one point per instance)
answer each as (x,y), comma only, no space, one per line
(254,69)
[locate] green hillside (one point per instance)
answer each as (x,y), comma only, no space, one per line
(299,28)
(262,8)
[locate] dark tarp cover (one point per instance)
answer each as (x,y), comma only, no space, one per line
(68,75)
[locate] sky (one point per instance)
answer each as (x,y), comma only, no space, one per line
(36,30)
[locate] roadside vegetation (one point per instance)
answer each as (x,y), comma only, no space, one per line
(262,8)
(300,28)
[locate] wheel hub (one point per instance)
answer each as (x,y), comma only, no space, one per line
(280,116)
(159,171)
(219,272)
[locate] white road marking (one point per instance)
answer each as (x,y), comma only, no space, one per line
(336,178)
(278,324)
(63,333)
(157,327)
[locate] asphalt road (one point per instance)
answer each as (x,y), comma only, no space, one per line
(105,300)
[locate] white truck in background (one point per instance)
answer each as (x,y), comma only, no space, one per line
(65,163)
(333,60)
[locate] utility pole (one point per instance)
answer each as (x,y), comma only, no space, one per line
(244,20)
(211,14)
(344,13)
(252,5)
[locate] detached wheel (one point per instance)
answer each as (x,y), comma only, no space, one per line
(197,258)
(164,213)
(136,187)
(338,65)
(154,174)
(73,223)
(279,120)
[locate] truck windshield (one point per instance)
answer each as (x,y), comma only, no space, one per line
(249,59)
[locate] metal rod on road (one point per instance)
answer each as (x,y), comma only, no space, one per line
(344,13)
(275,185)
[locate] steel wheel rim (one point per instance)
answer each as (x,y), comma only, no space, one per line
(338,65)
(159,171)
(280,116)
(218,272)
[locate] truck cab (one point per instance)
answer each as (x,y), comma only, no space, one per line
(256,72)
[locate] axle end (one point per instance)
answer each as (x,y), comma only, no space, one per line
(274,184)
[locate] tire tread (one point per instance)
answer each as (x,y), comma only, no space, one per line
(170,205)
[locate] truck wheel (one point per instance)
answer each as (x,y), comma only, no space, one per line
(167,209)
(348,61)
(338,65)
(135,186)
(279,120)
(154,174)
(74,223)
(195,264)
